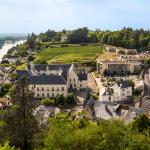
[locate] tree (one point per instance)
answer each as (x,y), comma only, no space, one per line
(21,125)
(70,99)
(40,61)
(141,123)
(60,100)
(48,102)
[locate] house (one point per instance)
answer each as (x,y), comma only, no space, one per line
(43,113)
(126,51)
(52,80)
(120,92)
(110,48)
(4,103)
(118,66)
(139,85)
(107,110)
(106,94)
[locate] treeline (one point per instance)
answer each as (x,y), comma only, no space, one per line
(126,37)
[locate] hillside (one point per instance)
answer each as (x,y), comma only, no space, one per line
(70,54)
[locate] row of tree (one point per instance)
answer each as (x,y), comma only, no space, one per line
(126,37)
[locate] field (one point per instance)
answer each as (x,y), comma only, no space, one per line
(70,54)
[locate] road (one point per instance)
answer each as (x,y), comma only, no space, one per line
(145,103)
(147,82)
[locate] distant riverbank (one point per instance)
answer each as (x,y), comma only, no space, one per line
(8,45)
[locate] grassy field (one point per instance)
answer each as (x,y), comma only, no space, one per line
(70,54)
(107,55)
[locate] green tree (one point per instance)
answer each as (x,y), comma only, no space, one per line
(48,102)
(141,123)
(70,99)
(21,125)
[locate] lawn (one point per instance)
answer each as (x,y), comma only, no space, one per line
(70,54)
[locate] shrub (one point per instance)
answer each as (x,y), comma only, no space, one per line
(60,100)
(48,102)
(70,99)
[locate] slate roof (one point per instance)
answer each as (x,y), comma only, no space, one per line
(23,73)
(52,79)
(146,103)
(107,92)
(107,110)
(43,79)
(82,76)
(123,83)
(51,67)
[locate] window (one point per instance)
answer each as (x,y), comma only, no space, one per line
(52,94)
(42,94)
(80,85)
(62,88)
(37,88)
(74,85)
(52,88)
(47,88)
(47,94)
(70,80)
(38,95)
(123,94)
(123,89)
(74,80)
(42,88)
(57,89)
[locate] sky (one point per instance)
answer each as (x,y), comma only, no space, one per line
(26,16)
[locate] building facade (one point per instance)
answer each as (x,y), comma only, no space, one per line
(54,80)
(118,67)
(121,91)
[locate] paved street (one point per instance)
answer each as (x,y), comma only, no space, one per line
(146,95)
(92,83)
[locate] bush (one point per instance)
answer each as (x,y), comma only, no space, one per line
(60,100)
(48,102)
(70,99)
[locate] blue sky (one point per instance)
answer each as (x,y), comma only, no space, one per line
(25,16)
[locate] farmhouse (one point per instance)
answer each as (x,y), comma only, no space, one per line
(53,80)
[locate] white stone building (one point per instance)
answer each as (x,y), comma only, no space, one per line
(120,91)
(53,80)
(118,67)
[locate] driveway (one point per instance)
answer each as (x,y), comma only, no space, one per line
(92,83)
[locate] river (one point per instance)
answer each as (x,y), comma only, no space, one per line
(7,46)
